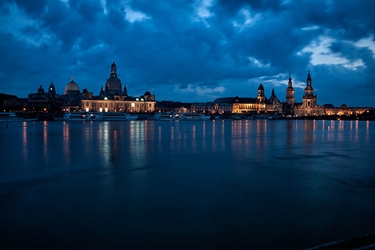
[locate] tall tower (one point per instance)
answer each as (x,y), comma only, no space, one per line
(290,92)
(309,99)
(113,70)
(51,91)
(261,97)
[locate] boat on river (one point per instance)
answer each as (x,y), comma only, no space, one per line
(74,116)
(98,116)
(168,116)
(9,117)
(194,117)
(110,116)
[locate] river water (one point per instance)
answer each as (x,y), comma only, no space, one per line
(186,185)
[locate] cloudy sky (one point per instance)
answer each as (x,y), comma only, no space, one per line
(190,50)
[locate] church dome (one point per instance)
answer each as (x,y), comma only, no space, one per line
(344,106)
(71,87)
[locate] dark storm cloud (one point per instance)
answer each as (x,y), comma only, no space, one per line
(192,50)
(33,8)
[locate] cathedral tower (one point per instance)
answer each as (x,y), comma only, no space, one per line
(261,98)
(309,99)
(290,92)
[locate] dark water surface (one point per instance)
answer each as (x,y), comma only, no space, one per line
(208,184)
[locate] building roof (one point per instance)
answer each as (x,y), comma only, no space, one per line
(239,100)
(71,86)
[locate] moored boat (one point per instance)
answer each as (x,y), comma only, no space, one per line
(194,117)
(111,116)
(74,116)
(165,116)
(9,117)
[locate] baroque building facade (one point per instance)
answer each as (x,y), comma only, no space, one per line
(242,105)
(309,106)
(113,98)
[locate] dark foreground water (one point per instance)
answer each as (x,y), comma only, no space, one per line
(179,185)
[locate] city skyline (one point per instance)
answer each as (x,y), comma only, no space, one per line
(192,52)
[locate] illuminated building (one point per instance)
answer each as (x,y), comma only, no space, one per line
(309,106)
(71,100)
(113,98)
(330,110)
(246,105)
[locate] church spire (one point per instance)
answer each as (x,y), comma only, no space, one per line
(290,80)
(113,70)
(309,90)
(308,80)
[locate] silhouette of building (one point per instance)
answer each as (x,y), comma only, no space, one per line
(113,87)
(42,101)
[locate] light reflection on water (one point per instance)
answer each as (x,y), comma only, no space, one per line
(24,141)
(180,178)
(137,144)
(45,140)
(66,146)
(209,136)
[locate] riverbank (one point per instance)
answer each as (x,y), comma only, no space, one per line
(363,242)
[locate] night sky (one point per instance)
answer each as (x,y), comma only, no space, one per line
(191,51)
